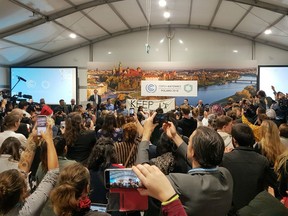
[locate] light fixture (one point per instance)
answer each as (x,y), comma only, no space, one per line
(162,3)
(268,31)
(72,35)
(235,51)
(109,53)
(162,40)
(166,14)
(180,41)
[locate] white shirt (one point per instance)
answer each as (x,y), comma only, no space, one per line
(227,139)
(8,133)
(6,164)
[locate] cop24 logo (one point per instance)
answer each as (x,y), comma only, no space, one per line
(151,88)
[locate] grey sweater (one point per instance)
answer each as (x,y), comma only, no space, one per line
(34,203)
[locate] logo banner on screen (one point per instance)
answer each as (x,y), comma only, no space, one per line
(169,88)
(165,104)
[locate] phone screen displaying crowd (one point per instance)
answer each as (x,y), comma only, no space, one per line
(41,124)
(121,178)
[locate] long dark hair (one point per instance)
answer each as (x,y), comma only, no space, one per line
(11,146)
(73,127)
(109,124)
(103,154)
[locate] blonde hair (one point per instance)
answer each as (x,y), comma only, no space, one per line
(72,182)
(270,141)
(281,163)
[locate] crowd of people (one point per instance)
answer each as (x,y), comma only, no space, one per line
(194,160)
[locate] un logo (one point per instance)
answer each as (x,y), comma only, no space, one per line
(151,88)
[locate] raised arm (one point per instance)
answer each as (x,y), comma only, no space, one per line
(171,132)
(34,203)
(52,159)
(143,148)
(138,125)
(27,156)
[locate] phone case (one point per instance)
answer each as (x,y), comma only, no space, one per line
(130,200)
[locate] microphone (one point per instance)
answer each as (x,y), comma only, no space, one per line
(21,78)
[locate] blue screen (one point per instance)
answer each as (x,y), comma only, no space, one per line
(52,84)
(273,75)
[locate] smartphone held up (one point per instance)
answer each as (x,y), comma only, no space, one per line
(41,124)
(121,178)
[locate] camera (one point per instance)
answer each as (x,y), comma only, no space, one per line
(131,112)
(121,178)
(160,118)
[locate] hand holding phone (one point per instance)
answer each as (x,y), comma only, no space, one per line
(41,124)
(131,111)
(155,182)
(121,178)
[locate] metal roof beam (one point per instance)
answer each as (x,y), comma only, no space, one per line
(215,13)
(68,29)
(25,46)
(263,5)
(242,18)
(274,23)
(190,12)
(139,5)
(144,28)
(54,16)
(89,17)
(119,15)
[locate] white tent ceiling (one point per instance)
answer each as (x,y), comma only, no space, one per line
(34,30)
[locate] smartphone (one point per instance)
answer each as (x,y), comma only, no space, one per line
(62,124)
(98,207)
(41,124)
(121,178)
(131,111)
(160,118)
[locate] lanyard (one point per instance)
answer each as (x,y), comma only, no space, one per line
(202,170)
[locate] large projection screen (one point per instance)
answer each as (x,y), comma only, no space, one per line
(50,83)
(269,75)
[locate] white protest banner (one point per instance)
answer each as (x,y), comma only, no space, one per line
(169,88)
(165,104)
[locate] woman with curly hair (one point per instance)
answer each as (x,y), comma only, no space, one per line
(70,196)
(103,156)
(79,140)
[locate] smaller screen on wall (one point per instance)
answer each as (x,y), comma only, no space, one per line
(50,83)
(271,75)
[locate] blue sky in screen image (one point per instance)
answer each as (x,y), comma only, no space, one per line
(52,84)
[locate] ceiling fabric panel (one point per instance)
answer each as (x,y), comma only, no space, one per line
(40,28)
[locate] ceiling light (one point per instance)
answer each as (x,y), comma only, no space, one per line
(162,3)
(166,14)
(109,53)
(162,40)
(268,31)
(180,41)
(72,35)
(235,51)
